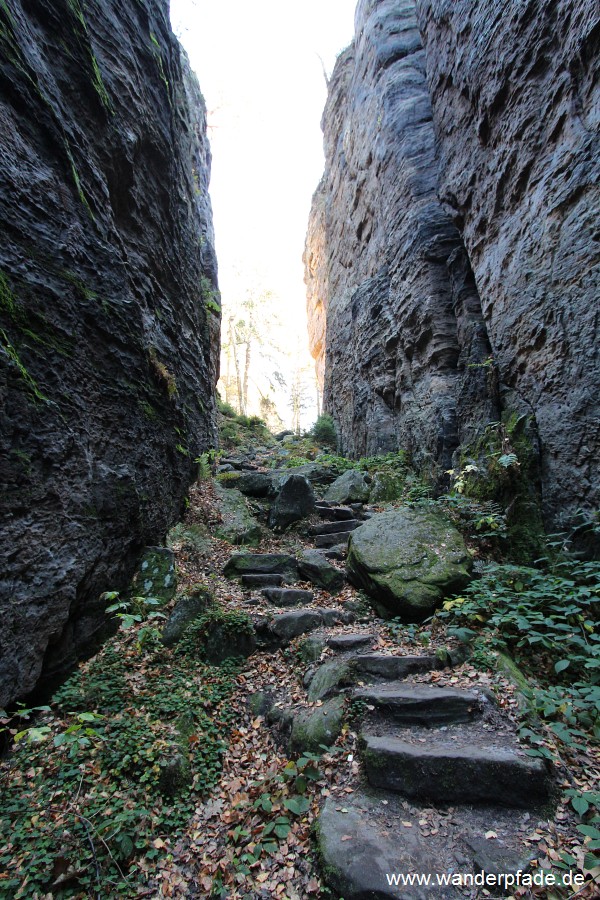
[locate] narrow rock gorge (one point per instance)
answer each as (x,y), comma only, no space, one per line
(452,254)
(108,338)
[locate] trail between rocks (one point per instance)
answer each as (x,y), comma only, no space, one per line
(423,773)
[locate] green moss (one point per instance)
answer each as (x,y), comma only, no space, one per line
(7,299)
(13,355)
(148,410)
(78,186)
(98,83)
(157,54)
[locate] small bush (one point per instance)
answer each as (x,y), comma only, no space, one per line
(226,409)
(324,430)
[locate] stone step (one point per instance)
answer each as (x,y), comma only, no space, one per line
(422,704)
(332,540)
(263,580)
(335,527)
(443,772)
(335,675)
(371,834)
(262,564)
(279,596)
(344,642)
(338,513)
(393,668)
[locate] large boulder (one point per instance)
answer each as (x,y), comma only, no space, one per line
(238,525)
(408,560)
(295,500)
(351,487)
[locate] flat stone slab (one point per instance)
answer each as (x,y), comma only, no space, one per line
(335,527)
(442,773)
(393,668)
(340,513)
(261,564)
(357,854)
(287,626)
(422,704)
(279,596)
(258,581)
(343,642)
(332,540)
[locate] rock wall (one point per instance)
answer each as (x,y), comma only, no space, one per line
(395,317)
(108,352)
(452,251)
(516,100)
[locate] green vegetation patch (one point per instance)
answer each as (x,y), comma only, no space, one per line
(93,792)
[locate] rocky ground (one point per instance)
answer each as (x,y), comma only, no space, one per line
(351,748)
(412,750)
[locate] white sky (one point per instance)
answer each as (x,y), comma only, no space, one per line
(259,70)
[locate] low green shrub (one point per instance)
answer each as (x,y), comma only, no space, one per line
(324,431)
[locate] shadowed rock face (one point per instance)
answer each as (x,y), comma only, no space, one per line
(516,100)
(395,315)
(454,224)
(108,354)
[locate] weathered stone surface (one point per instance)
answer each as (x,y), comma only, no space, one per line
(155,575)
(294,501)
(380,665)
(317,728)
(395,320)
(441,772)
(339,539)
(335,527)
(408,560)
(291,624)
(314,567)
(356,854)
(238,525)
(254,484)
(422,704)
(452,260)
(261,563)
(260,581)
(349,486)
(329,678)
(517,129)
(344,642)
(187,608)
(287,596)
(108,352)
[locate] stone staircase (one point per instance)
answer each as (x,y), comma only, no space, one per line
(428,753)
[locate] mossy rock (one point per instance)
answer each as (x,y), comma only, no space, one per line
(238,525)
(191,604)
(313,729)
(155,575)
(194,538)
(386,487)
(408,560)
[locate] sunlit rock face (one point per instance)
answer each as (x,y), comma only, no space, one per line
(108,353)
(452,251)
(395,318)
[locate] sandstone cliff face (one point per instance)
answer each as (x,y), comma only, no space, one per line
(516,99)
(396,323)
(107,350)
(452,252)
